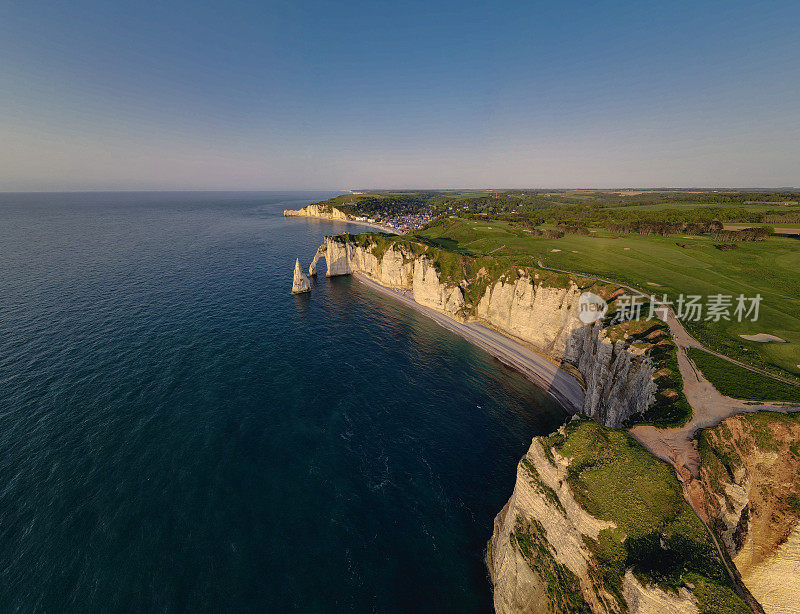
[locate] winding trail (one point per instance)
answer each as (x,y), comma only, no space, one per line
(679,332)
(677,445)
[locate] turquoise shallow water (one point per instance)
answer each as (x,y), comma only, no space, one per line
(178,433)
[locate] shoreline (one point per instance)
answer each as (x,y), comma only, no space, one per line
(551,379)
(378,227)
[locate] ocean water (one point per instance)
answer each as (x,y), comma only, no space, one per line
(178,433)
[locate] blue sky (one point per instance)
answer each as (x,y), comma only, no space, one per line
(239,95)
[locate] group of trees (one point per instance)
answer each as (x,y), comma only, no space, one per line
(781,218)
(575,211)
(648,227)
(546,233)
(745,234)
(656,221)
(573,229)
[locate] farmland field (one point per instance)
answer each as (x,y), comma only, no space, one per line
(669,265)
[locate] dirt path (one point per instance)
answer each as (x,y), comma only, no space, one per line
(709,407)
(681,335)
(678,446)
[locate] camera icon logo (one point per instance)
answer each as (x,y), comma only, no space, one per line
(591,307)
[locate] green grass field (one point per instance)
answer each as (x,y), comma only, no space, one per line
(614,478)
(770,268)
(739,383)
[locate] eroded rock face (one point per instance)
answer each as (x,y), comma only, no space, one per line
(619,382)
(544,317)
(396,268)
(750,474)
(428,290)
(337,257)
(327,212)
(539,559)
(312,268)
(300,283)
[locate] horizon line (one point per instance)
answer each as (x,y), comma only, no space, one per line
(414,189)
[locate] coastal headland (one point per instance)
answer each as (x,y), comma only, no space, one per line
(332,214)
(625,512)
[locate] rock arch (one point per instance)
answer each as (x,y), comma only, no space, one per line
(321,253)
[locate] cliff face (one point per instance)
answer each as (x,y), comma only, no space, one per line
(399,269)
(537,557)
(618,379)
(751,476)
(326,212)
(592,512)
(549,554)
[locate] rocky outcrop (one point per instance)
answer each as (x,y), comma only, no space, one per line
(312,268)
(396,268)
(327,212)
(538,559)
(545,553)
(300,283)
(618,378)
(750,474)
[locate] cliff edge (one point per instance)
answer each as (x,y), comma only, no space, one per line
(626,369)
(597,524)
(750,475)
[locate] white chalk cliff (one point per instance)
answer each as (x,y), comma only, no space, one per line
(300,282)
(326,212)
(539,557)
(618,380)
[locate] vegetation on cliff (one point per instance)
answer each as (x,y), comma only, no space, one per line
(671,407)
(475,273)
(561,585)
(750,475)
(657,534)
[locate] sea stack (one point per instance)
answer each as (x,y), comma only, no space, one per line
(300,283)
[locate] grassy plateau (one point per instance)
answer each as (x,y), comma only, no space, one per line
(670,265)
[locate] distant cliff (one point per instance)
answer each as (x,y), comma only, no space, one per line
(327,212)
(537,308)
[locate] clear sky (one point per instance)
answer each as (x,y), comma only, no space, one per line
(319,94)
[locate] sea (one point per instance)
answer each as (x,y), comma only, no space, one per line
(180,433)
